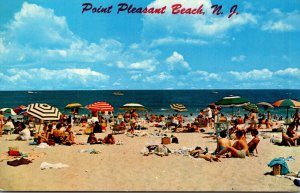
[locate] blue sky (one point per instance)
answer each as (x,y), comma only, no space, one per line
(51,45)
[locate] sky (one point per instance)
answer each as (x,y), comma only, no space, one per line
(52,45)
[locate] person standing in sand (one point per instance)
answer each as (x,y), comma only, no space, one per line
(239,148)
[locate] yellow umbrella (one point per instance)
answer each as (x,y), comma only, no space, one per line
(73,106)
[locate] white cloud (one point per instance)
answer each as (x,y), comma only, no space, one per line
(277,26)
(203,75)
(294,72)
(177,59)
(147,65)
(252,75)
(163,76)
(281,21)
(136,77)
(39,78)
(199,25)
(173,40)
(239,58)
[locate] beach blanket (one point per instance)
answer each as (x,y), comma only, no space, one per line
(46,165)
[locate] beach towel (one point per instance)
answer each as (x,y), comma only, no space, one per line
(282,162)
(43,145)
(18,162)
(46,165)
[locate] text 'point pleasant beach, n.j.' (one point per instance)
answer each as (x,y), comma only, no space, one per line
(175,9)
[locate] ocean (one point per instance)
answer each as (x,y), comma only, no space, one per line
(156,101)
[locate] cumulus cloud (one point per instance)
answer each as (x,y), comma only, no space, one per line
(282,21)
(205,76)
(37,78)
(147,65)
(253,75)
(177,59)
(239,58)
(293,72)
(198,25)
(162,76)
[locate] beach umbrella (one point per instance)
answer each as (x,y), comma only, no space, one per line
(178,107)
(265,105)
(20,109)
(133,106)
(8,111)
(43,111)
(251,108)
(287,103)
(73,106)
(232,101)
(100,106)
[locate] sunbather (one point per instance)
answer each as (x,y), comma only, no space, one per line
(109,139)
(223,142)
(198,152)
(239,148)
(68,137)
(24,134)
(92,139)
(290,138)
(43,136)
(252,145)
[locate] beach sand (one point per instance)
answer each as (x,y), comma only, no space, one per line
(124,168)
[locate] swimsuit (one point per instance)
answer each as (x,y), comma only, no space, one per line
(241,153)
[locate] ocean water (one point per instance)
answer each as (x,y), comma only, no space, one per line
(156,101)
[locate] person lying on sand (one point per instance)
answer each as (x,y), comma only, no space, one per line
(252,145)
(198,152)
(239,148)
(290,137)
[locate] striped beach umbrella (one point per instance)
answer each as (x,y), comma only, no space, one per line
(43,111)
(178,107)
(8,111)
(100,106)
(133,106)
(287,103)
(251,108)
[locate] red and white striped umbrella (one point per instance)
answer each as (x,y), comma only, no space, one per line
(100,106)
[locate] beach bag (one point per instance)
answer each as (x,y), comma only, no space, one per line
(13,151)
(166,140)
(175,140)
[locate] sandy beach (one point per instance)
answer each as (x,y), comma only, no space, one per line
(124,168)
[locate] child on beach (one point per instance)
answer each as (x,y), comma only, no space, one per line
(68,137)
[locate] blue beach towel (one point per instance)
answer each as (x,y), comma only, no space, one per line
(282,162)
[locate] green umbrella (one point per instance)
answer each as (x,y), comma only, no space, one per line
(232,101)
(251,108)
